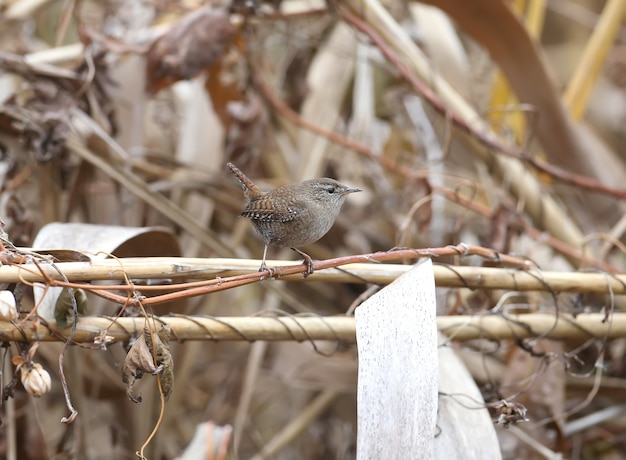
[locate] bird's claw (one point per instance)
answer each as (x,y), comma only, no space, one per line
(308,262)
(309,267)
(264,268)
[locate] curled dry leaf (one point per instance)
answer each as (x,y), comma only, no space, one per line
(164,359)
(64,307)
(140,359)
(196,42)
(39,112)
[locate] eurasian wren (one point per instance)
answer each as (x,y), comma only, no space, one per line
(293,215)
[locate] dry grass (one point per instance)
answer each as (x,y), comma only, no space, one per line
(502,130)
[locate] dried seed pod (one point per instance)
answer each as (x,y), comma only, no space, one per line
(8,309)
(36,379)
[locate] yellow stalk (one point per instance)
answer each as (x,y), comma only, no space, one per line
(577,93)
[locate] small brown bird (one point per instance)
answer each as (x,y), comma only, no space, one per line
(293,215)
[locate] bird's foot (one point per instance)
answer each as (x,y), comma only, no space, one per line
(270,271)
(308,261)
(309,266)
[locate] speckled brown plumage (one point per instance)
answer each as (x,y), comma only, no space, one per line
(293,215)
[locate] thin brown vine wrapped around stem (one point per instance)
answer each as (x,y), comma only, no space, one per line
(98,330)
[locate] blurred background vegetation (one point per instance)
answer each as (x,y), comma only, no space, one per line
(496,123)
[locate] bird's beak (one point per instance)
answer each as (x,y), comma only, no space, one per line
(352,190)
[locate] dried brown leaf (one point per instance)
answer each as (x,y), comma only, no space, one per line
(140,359)
(196,42)
(163,358)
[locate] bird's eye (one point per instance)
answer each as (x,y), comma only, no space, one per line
(330,189)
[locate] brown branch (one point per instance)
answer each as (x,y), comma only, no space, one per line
(542,237)
(391,165)
(51,276)
(489,141)
(332,136)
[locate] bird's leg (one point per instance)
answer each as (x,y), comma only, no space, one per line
(264,266)
(307,261)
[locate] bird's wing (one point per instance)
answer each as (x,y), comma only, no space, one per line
(263,210)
